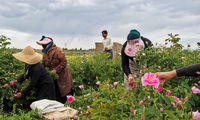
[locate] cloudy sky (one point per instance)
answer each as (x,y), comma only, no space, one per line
(78,23)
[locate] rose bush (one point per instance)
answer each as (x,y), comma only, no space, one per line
(100,92)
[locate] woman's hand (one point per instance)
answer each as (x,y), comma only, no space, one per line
(18,95)
(131,81)
(165,76)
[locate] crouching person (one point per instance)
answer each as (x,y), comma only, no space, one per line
(40,79)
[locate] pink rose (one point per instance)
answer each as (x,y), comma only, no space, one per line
(142,117)
(173,104)
(176,98)
(161,109)
(81,87)
(178,101)
(75,117)
(79,108)
(195,90)
(11,98)
(149,98)
(11,83)
(115,83)
(168,92)
(5,85)
(70,99)
(141,102)
(196,115)
(150,79)
(143,54)
(98,82)
(88,107)
(87,113)
(160,88)
(134,112)
(182,58)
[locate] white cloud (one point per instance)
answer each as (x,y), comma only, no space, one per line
(79,22)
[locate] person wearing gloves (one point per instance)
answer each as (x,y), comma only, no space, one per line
(40,79)
(134,43)
(191,70)
(107,44)
(54,58)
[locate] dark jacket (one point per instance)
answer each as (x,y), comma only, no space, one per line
(190,70)
(125,58)
(55,59)
(40,79)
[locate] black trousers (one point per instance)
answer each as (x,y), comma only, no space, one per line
(46,91)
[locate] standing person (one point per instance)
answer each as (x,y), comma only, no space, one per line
(40,78)
(107,44)
(134,43)
(54,58)
(191,70)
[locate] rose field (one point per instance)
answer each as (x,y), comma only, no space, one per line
(99,86)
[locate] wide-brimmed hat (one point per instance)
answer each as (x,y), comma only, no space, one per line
(28,56)
(44,40)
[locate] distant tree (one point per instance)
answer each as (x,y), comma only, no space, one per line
(4,41)
(198,44)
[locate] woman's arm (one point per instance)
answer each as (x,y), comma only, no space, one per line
(125,62)
(34,74)
(190,70)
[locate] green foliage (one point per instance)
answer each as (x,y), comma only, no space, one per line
(4,41)
(87,70)
(107,101)
(112,102)
(10,69)
(22,115)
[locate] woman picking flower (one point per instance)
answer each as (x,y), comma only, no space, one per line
(134,43)
(40,78)
(54,58)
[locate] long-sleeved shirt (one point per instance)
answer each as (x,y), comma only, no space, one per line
(125,58)
(55,59)
(38,76)
(107,43)
(190,70)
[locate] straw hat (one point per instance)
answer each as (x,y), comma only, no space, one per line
(28,56)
